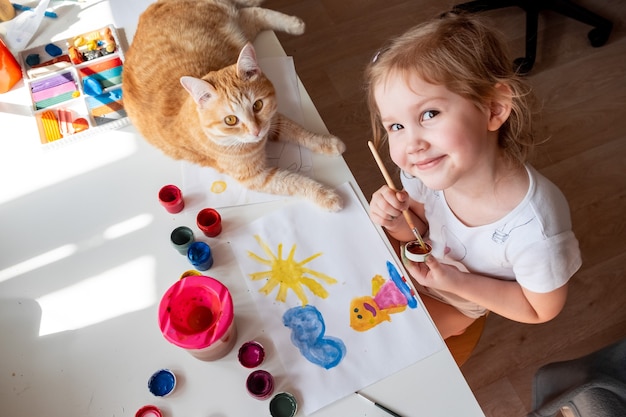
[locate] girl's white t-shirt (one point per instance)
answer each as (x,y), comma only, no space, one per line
(533,244)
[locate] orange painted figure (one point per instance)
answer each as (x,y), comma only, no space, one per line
(369,311)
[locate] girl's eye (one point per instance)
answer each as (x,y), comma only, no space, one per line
(257,106)
(395,127)
(231,120)
(429,114)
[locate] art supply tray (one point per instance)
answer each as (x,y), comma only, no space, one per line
(75,85)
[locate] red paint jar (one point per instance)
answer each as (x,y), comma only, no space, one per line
(148,411)
(210,222)
(171,198)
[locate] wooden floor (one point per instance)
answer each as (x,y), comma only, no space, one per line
(584,115)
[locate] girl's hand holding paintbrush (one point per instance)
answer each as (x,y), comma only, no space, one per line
(386,208)
(390,208)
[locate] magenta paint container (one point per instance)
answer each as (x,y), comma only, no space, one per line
(260,384)
(171,198)
(251,354)
(209,221)
(196,314)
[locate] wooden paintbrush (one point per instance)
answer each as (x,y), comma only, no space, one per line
(390,184)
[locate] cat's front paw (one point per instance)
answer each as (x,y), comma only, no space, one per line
(296,26)
(329,200)
(330,145)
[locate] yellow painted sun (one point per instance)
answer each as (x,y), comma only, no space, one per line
(289,274)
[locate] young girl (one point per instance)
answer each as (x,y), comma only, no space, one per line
(458,122)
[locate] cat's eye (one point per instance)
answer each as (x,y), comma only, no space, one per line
(258,105)
(231,120)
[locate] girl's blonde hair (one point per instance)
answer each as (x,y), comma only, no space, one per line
(463,54)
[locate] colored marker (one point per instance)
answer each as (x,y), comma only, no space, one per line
(382,407)
(22,8)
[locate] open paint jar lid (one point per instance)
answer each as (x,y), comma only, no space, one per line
(162,383)
(148,411)
(283,404)
(251,354)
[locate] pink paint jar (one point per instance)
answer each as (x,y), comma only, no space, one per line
(171,198)
(251,354)
(210,222)
(260,384)
(196,314)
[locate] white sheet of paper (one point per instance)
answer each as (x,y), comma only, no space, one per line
(349,250)
(23,27)
(221,190)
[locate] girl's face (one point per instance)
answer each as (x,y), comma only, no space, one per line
(434,134)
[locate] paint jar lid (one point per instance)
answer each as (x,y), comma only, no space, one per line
(283,404)
(162,383)
(148,411)
(251,354)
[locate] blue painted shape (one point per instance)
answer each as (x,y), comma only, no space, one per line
(402,285)
(307,334)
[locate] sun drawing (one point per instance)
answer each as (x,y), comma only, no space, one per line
(289,274)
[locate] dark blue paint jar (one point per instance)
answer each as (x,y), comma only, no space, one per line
(200,256)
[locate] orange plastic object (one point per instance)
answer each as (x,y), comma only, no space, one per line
(10,70)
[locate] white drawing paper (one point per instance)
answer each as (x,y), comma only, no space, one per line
(301,254)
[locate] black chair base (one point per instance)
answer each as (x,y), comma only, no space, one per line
(597,36)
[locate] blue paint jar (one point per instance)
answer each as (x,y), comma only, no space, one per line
(162,383)
(199,254)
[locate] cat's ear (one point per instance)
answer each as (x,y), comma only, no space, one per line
(247,65)
(200,90)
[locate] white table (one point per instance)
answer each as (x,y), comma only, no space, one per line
(81,229)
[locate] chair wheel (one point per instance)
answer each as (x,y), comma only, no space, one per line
(523,65)
(599,36)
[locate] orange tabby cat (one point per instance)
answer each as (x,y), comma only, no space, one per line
(193,88)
